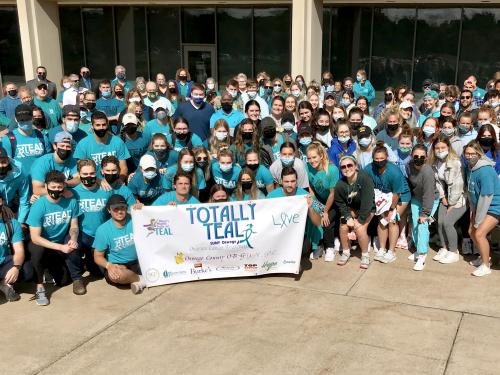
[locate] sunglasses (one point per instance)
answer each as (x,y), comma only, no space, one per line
(277,85)
(465,97)
(201,159)
(268,87)
(346,166)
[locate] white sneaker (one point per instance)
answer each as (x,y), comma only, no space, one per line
(440,254)
(449,257)
(316,254)
(413,256)
(482,270)
(478,261)
(379,255)
(336,245)
(420,265)
(329,255)
(389,257)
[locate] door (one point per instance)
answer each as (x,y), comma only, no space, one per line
(200,60)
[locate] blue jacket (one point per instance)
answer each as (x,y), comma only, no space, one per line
(366,90)
(336,150)
(8,106)
(15,183)
(189,85)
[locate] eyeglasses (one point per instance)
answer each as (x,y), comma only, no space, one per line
(465,97)
(277,85)
(201,159)
(346,166)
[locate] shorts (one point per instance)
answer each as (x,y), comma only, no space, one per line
(132,266)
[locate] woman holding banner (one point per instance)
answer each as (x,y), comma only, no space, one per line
(246,187)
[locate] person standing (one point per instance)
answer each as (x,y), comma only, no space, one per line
(41,77)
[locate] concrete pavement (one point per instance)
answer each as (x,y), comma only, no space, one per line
(332,320)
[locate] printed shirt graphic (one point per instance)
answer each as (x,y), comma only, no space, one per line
(226,179)
(92,204)
(17,236)
(47,163)
(165,198)
(88,148)
(117,243)
(53,218)
(147,193)
(28,148)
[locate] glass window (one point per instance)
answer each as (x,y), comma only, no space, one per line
(164,40)
(479,54)
(436,45)
(198,25)
(393,30)
(272,40)
(234,42)
(327,17)
(99,42)
(11,56)
(71,39)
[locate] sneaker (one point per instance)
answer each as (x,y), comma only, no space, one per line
(137,287)
(440,254)
(10,293)
(413,256)
(329,255)
(336,245)
(402,243)
(389,257)
(379,255)
(420,265)
(365,262)
(79,287)
(375,245)
(316,254)
(343,258)
(41,298)
(482,270)
(450,257)
(478,261)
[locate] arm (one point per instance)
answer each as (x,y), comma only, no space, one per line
(428,197)
(123,170)
(39,188)
(329,202)
(313,215)
(74,231)
(367,192)
(36,237)
(270,187)
(24,197)
(483,204)
(341,202)
(75,180)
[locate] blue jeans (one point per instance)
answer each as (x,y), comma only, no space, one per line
(420,231)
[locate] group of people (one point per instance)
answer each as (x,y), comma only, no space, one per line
(74,163)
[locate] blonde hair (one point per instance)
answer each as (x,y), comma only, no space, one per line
(215,145)
(85,163)
(320,150)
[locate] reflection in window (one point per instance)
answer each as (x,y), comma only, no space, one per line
(234,42)
(198,25)
(436,45)
(71,39)
(479,54)
(164,40)
(11,56)
(272,40)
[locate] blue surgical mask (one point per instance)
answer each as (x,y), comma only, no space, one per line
(296,93)
(364,142)
(463,129)
(344,139)
(149,174)
(494,104)
(198,100)
(306,141)
(106,94)
(161,115)
(442,155)
(288,126)
(428,131)
(187,167)
(252,94)
(26,126)
(72,126)
(269,91)
(329,88)
(287,161)
(448,132)
(277,88)
(226,167)
(345,102)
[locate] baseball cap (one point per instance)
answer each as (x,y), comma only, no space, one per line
(3,153)
(23,112)
(364,132)
(431,95)
(147,161)
(63,137)
(129,118)
(303,130)
(70,109)
(42,84)
(116,200)
(405,105)
(159,105)
(268,123)
(329,95)
(427,82)
(288,117)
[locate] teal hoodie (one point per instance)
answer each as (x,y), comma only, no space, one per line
(16,182)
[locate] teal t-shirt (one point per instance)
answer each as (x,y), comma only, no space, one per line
(263,177)
(169,160)
(51,110)
(125,192)
(53,218)
(485,181)
(246,197)
(92,204)
(153,127)
(321,181)
(179,145)
(28,148)
(17,236)
(47,163)
(200,177)
(117,243)
(165,198)
(136,148)
(391,181)
(148,192)
(276,147)
(226,179)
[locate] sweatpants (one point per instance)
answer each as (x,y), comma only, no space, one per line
(446,226)
(420,231)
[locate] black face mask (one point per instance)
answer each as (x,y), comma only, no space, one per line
(88,181)
(111,177)
(42,76)
(323,129)
(288,83)
(246,185)
(182,136)
(262,82)
(380,164)
(486,142)
(119,94)
(86,75)
(39,123)
(5,170)
(183,78)
(63,154)
(54,194)
(392,127)
(100,132)
(130,130)
(269,133)
(388,98)
(247,135)
(160,154)
(90,106)
(28,102)
(226,107)
(12,93)
(172,90)
(253,167)
(418,160)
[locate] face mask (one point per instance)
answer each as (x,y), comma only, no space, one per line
(306,141)
(494,104)
(221,135)
(344,139)
(100,132)
(287,161)
(252,94)
(63,154)
(111,177)
(86,75)
(201,163)
(253,167)
(329,88)
(288,83)
(226,167)
(233,94)
(54,194)
(106,94)
(131,129)
(269,133)
(246,185)
(300,83)
(296,93)
(486,142)
(364,142)
(25,126)
(187,167)
(198,100)
(269,91)
(4,171)
(359,78)
(12,93)
(90,106)
(428,131)
(149,174)
(380,164)
(404,150)
(392,127)
(161,115)
(183,78)
(442,155)
(39,123)
(448,132)
(338,117)
(247,135)
(277,88)
(462,129)
(226,107)
(471,162)
(160,154)
(119,94)
(210,86)
(121,76)
(66,85)
(152,95)
(88,181)
(288,126)
(418,160)
(72,126)
(345,102)
(172,90)
(181,136)
(388,98)
(42,76)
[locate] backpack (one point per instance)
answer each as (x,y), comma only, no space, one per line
(7,215)
(13,141)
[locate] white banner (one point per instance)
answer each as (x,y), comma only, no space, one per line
(208,241)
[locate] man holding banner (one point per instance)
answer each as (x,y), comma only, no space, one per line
(182,186)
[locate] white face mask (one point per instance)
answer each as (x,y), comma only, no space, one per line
(221,135)
(210,86)
(67,85)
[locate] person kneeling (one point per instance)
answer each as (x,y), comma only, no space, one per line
(114,248)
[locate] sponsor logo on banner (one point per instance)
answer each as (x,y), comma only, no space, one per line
(200,270)
(250,267)
(228,268)
(152,275)
(198,265)
(286,261)
(167,274)
(158,227)
(269,265)
(179,258)
(285,219)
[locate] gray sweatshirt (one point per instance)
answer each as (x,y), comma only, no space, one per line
(423,187)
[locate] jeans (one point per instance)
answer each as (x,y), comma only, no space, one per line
(86,249)
(446,226)
(420,231)
(25,273)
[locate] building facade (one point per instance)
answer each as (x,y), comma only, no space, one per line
(395,42)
